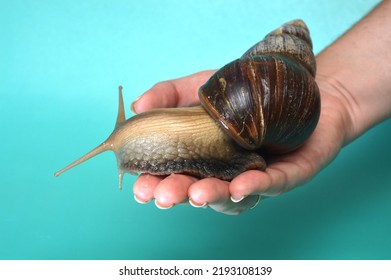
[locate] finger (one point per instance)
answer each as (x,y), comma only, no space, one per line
(278,178)
(207,191)
(268,183)
(173,93)
(214,193)
(287,171)
(161,95)
(144,187)
(249,182)
(172,190)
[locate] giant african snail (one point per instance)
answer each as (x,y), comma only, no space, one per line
(265,101)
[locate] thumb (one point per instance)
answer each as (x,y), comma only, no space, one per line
(172,93)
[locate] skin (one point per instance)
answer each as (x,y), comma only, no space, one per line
(351,72)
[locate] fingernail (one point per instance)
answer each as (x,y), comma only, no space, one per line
(234,200)
(162,207)
(139,200)
(256,203)
(204,205)
(132,106)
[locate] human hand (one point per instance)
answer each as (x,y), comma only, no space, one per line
(353,75)
(283,172)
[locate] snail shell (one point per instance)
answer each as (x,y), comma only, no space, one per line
(268,98)
(267,101)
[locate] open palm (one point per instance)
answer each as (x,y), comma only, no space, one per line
(283,172)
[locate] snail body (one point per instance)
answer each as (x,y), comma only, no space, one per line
(265,101)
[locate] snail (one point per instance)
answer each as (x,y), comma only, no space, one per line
(265,102)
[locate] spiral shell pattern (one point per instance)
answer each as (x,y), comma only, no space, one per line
(268,99)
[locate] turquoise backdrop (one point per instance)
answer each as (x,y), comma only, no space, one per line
(60,65)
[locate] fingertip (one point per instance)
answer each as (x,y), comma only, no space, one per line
(173,190)
(138,200)
(133,106)
(237,200)
(208,190)
(163,207)
(143,103)
(161,95)
(247,183)
(144,187)
(172,93)
(198,205)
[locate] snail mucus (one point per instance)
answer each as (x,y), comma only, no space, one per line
(265,101)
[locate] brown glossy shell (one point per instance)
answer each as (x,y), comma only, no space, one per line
(268,98)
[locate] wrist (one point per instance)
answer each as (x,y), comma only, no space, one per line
(355,70)
(335,95)
(364,94)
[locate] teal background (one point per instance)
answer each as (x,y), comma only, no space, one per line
(60,65)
